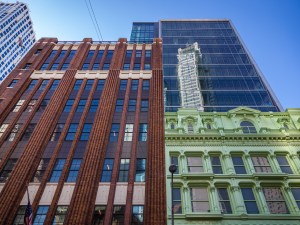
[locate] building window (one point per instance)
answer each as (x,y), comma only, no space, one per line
(208,125)
(5,173)
(238,164)
(124,169)
(118,214)
(32,84)
(224,201)
(261,164)
(106,66)
(88,85)
(18,105)
(44,66)
(172,126)
(147,66)
(71,132)
(107,170)
(38,176)
(143,131)
(85,66)
(99,215)
(43,105)
(12,84)
(138,54)
(41,215)
(137,215)
(65,66)
(119,105)
(249,200)
(284,164)
(148,54)
(134,85)
(43,85)
(69,105)
(94,105)
(28,132)
(100,85)
(27,66)
(14,132)
(86,132)
(123,85)
(58,167)
(3,128)
(131,105)
(54,84)
(77,85)
(96,66)
(74,170)
(126,66)
(177,201)
(174,161)
(19,219)
(195,164)
(296,194)
(61,212)
(114,132)
(144,106)
(128,132)
(137,66)
(140,170)
(54,66)
(146,85)
(81,105)
(190,128)
(216,165)
(199,199)
(128,54)
(248,128)
(275,200)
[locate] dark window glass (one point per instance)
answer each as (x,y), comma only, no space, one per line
(144,106)
(94,105)
(119,105)
(126,66)
(248,128)
(224,201)
(54,84)
(40,170)
(77,85)
(132,105)
(109,55)
(296,194)
(124,169)
(177,201)
(73,172)
(28,131)
(143,132)
(86,131)
(199,199)
(275,200)
(99,215)
(123,85)
(250,201)
(43,105)
(58,167)
(31,105)
(138,54)
(239,166)
(60,214)
(89,84)
(6,171)
(137,215)
(140,170)
(128,54)
(148,54)
(27,66)
(216,164)
(71,132)
(147,66)
(96,66)
(69,105)
(134,85)
(174,161)
(44,66)
(19,219)
(60,56)
(106,66)
(137,66)
(57,131)
(40,215)
(65,66)
(12,84)
(118,214)
(261,164)
(32,84)
(85,66)
(54,66)
(43,85)
(81,105)
(100,85)
(107,170)
(15,131)
(3,128)
(114,132)
(146,85)
(284,164)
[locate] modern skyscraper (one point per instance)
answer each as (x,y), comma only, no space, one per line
(81,124)
(227,75)
(16,35)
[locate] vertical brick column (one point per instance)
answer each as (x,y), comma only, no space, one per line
(88,178)
(155,199)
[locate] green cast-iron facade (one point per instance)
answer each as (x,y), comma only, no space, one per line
(239,167)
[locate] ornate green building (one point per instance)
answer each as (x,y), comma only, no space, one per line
(239,167)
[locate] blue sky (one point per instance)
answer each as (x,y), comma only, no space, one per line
(269,28)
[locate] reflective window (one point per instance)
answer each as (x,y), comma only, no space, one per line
(43,85)
(100,85)
(195,164)
(124,169)
(119,105)
(199,199)
(71,132)
(81,105)
(216,164)
(19,219)
(94,105)
(13,83)
(43,105)
(177,201)
(190,128)
(134,85)
(174,161)
(5,173)
(77,84)
(31,105)
(89,85)
(137,215)
(131,105)
(54,84)
(40,215)
(140,170)
(118,214)
(248,128)
(3,128)
(275,200)
(87,127)
(128,132)
(69,105)
(18,105)
(32,84)
(28,131)
(73,172)
(224,201)
(107,170)
(144,105)
(38,176)
(114,132)
(284,164)
(60,214)
(238,164)
(58,167)
(261,164)
(126,66)
(249,200)
(296,194)
(15,131)
(143,132)
(123,85)
(146,85)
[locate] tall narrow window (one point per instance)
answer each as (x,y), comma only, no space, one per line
(248,128)
(238,164)
(148,54)
(58,167)
(54,84)
(131,105)
(99,215)
(144,105)
(32,84)
(54,66)
(143,132)
(177,201)
(81,105)
(13,83)
(119,105)
(195,164)
(284,164)
(19,219)
(77,85)
(174,161)
(118,214)
(40,215)
(28,131)
(44,66)
(224,201)
(94,105)
(261,164)
(3,128)
(124,169)
(128,54)
(18,105)
(14,132)
(137,215)
(69,105)
(106,66)
(71,132)
(190,128)
(60,214)
(138,54)
(87,127)
(75,166)
(43,105)
(216,164)
(140,170)
(199,198)
(85,66)
(43,85)
(147,66)
(275,200)
(249,200)
(123,85)
(134,85)
(100,85)
(96,66)
(88,85)
(146,85)
(137,66)
(40,170)
(128,132)
(114,132)
(296,194)
(6,171)
(107,170)
(126,66)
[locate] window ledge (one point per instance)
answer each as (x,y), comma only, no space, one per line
(204,216)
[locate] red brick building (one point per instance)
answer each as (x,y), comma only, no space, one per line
(81,124)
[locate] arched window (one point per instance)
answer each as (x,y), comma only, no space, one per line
(190,128)
(248,128)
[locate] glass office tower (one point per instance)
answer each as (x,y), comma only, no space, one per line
(227,75)
(143,32)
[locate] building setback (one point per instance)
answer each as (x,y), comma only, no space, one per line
(239,167)
(16,35)
(81,124)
